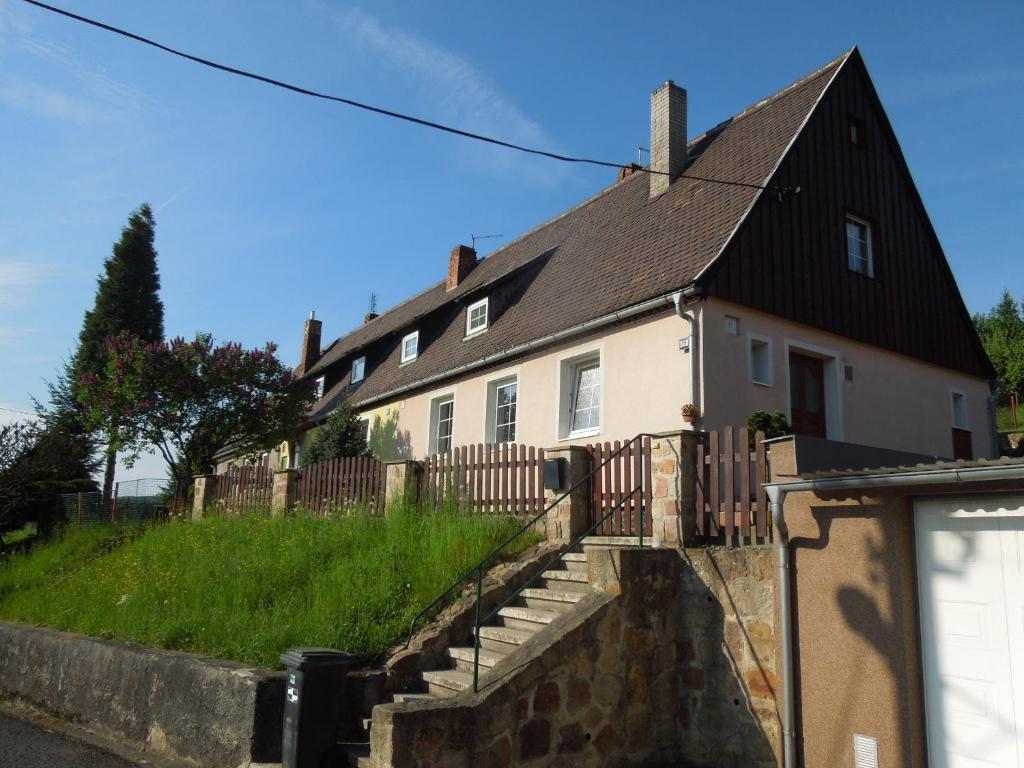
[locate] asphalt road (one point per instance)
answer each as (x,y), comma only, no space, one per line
(25,744)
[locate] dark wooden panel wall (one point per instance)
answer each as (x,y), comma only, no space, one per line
(790,257)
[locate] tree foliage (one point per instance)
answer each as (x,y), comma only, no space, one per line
(1002,334)
(192,399)
(38,462)
(342,434)
(772,424)
(127,300)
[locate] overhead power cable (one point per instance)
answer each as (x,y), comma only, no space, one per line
(386,112)
(15,410)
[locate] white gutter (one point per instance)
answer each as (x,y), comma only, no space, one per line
(679,299)
(589,325)
(777,496)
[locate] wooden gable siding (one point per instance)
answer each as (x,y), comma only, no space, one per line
(789,258)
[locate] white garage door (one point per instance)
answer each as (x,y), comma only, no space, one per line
(970,559)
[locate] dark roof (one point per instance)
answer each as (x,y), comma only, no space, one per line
(615,250)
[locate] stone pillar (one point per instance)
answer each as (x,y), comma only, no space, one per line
(282,498)
(667,487)
(570,517)
(402,482)
(688,486)
(203,493)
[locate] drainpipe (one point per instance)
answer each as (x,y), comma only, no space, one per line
(681,299)
(777,497)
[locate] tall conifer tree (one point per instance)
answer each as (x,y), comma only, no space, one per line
(127,299)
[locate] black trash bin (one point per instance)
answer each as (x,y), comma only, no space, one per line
(312,704)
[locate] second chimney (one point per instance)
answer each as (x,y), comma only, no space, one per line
(668,136)
(460,264)
(310,344)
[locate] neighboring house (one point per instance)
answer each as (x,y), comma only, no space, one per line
(834,304)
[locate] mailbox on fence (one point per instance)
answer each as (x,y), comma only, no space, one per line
(556,473)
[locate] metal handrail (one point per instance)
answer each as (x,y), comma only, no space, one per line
(562,552)
(479,567)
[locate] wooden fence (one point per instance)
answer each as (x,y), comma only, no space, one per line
(629,468)
(244,489)
(489,477)
(341,483)
(731,503)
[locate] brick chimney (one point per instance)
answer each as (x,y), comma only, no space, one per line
(668,136)
(461,263)
(310,344)
(370,316)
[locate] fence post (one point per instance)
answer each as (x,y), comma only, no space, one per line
(402,482)
(282,496)
(205,488)
(571,516)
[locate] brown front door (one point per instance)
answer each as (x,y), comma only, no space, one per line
(807,394)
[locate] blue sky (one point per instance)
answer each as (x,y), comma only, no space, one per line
(270,204)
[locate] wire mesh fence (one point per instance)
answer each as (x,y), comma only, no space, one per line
(134,501)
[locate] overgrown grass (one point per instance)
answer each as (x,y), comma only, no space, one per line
(247,588)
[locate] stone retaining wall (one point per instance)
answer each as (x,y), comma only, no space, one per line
(671,661)
(216,714)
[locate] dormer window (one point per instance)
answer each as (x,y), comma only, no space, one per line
(410,346)
(318,387)
(358,369)
(476,317)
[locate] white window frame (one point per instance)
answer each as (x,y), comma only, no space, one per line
(491,406)
(732,325)
(833,369)
(318,385)
(416,352)
(358,364)
(766,344)
(569,368)
(953,415)
(435,421)
(470,330)
(851,219)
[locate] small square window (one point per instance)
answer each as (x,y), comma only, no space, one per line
(760,361)
(858,247)
(476,317)
(856,131)
(358,369)
(732,325)
(410,346)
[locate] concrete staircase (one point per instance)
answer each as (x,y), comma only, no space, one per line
(557,590)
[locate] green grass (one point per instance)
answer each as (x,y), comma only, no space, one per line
(13,537)
(1004,419)
(247,588)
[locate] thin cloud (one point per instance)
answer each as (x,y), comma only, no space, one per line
(9,333)
(20,273)
(455,91)
(91,96)
(41,100)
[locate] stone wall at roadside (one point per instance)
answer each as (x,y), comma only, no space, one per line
(217,714)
